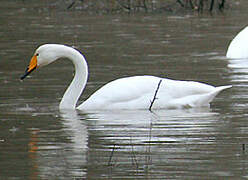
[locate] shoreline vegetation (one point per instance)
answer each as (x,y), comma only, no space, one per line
(146,6)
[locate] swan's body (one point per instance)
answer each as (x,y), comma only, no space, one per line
(238,48)
(135,92)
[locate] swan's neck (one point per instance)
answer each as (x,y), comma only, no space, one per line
(79,81)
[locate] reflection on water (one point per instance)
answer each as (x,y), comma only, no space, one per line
(122,126)
(239,77)
(57,151)
(168,143)
(37,141)
(238,65)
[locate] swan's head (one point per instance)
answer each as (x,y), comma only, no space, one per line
(45,55)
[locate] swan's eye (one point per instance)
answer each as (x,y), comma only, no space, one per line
(37,54)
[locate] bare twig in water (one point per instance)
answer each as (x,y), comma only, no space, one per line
(111,156)
(148,158)
(154,97)
(134,159)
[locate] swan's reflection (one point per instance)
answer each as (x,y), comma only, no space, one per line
(133,140)
(142,127)
(239,79)
(238,63)
(59,150)
(97,140)
(239,69)
(77,129)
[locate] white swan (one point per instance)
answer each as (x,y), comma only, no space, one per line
(238,48)
(135,92)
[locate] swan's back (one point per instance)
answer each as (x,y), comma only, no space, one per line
(137,92)
(238,48)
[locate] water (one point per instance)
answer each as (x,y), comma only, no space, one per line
(37,141)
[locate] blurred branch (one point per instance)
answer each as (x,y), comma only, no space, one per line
(200,6)
(143,5)
(180,2)
(124,6)
(211,6)
(221,5)
(73,2)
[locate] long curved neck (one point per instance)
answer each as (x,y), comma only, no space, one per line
(79,81)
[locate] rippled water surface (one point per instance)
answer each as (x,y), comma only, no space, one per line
(37,141)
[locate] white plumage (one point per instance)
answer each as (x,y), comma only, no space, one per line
(238,48)
(138,92)
(135,92)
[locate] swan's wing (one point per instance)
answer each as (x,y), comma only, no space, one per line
(183,94)
(139,91)
(130,91)
(197,100)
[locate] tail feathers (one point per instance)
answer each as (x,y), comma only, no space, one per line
(220,88)
(200,99)
(210,96)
